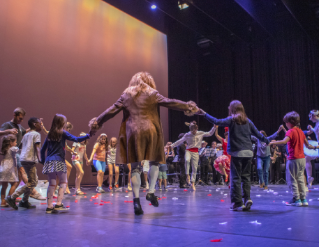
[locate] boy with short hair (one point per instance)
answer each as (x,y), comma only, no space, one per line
(30,155)
(295,167)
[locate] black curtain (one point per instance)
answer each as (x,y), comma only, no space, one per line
(270,77)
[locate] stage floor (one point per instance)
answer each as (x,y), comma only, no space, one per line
(194,219)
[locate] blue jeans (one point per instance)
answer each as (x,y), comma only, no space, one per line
(263,164)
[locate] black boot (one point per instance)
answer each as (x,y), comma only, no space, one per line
(137,207)
(152,198)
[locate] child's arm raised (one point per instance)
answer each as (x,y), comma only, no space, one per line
(73,138)
(219,138)
(282,142)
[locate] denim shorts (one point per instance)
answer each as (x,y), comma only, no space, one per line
(99,165)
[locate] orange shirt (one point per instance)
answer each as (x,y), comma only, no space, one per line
(100,153)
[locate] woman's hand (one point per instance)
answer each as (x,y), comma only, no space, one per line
(200,112)
(92,133)
(94,127)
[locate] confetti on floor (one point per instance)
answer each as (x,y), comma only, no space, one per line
(216,240)
(255,222)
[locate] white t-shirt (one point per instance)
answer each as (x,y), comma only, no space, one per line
(194,141)
(28,153)
(80,150)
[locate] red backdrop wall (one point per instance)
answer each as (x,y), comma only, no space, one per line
(74,57)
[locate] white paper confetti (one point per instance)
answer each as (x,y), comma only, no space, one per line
(275,193)
(258,195)
(255,222)
(174,198)
(223,223)
(289,229)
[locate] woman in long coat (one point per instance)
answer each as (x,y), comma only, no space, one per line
(141,133)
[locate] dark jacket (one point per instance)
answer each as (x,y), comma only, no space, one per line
(181,149)
(239,137)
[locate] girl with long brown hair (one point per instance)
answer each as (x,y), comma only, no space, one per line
(54,161)
(68,128)
(98,156)
(240,149)
(8,167)
(141,134)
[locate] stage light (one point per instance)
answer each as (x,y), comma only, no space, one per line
(183,4)
(153,6)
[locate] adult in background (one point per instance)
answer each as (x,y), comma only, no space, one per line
(211,154)
(18,116)
(141,134)
(263,158)
(194,140)
(312,154)
(239,147)
(204,163)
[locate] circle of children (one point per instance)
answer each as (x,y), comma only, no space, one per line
(21,150)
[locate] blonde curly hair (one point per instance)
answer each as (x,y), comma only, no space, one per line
(141,82)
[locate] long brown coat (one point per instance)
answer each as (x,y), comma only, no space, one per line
(141,133)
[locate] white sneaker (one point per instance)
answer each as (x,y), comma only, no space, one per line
(129,187)
(306,189)
(147,186)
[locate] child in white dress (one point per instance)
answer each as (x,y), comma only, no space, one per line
(79,152)
(8,167)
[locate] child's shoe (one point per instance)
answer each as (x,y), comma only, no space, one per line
(11,202)
(26,205)
(295,202)
(60,207)
(51,211)
(304,202)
